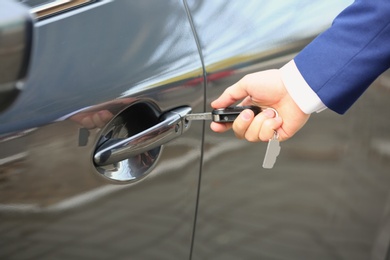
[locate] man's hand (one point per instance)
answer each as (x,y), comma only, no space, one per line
(264,89)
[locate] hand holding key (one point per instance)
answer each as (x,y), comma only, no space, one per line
(263,89)
(228,115)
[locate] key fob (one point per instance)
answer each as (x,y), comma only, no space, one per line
(229,114)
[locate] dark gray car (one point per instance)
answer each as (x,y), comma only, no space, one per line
(97,162)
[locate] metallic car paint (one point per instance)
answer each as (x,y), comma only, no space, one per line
(327,196)
(88,65)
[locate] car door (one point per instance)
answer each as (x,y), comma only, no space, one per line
(103,76)
(327,196)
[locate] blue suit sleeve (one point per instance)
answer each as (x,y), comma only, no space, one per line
(342,62)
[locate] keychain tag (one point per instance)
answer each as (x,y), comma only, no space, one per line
(273,150)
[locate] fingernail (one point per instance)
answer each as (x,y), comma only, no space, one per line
(246,115)
(269,113)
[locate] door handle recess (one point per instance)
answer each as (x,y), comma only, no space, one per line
(172,125)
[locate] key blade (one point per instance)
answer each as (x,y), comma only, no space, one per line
(198,116)
(272,152)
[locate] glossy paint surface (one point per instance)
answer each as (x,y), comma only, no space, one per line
(122,64)
(327,196)
(89,66)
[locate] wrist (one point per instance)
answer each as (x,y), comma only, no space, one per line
(301,93)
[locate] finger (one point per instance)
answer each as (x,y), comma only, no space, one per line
(253,132)
(105,116)
(269,127)
(257,130)
(219,127)
(231,95)
(87,122)
(242,122)
(246,102)
(101,118)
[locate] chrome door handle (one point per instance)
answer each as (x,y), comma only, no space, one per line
(173,124)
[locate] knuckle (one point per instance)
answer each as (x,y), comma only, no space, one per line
(268,123)
(246,78)
(239,136)
(238,127)
(251,138)
(264,139)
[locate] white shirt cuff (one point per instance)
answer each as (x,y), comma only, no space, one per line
(306,99)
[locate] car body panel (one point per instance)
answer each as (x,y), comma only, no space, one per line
(107,57)
(206,195)
(327,196)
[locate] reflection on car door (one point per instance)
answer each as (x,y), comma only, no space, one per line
(328,194)
(109,69)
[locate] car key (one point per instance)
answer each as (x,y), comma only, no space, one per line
(222,115)
(229,114)
(273,150)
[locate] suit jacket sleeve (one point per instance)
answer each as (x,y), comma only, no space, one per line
(342,62)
